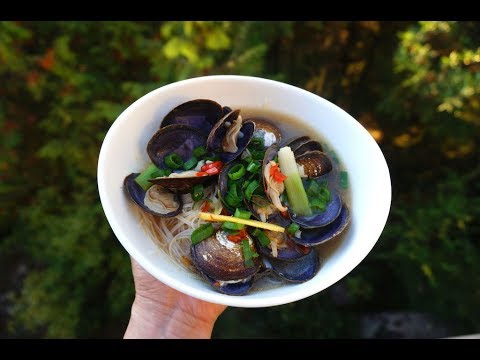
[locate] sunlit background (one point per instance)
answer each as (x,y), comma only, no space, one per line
(414,85)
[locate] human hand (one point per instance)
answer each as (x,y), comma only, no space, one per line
(160,311)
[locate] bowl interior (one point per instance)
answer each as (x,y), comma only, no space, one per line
(123,152)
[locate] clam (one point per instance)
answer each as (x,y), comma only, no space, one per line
(295,142)
(310,145)
(321,218)
(222,261)
(230,136)
(300,270)
(313,164)
(182,140)
(156,200)
(202,114)
(286,249)
(267,131)
(319,235)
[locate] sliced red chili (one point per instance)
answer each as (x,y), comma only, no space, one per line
(206,206)
(276,173)
(213,165)
(201,173)
(212,171)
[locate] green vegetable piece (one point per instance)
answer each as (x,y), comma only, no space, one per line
(260,235)
(197,192)
(148,173)
(201,233)
(343,179)
(242,214)
(236,172)
(293,228)
(190,163)
(199,151)
(173,161)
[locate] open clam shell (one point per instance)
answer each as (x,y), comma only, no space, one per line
(202,114)
(156,200)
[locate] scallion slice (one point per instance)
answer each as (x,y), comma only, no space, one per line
(318,204)
(201,233)
(293,228)
(173,161)
(190,163)
(199,151)
(236,172)
(148,173)
(242,214)
(197,192)
(253,166)
(260,235)
(252,186)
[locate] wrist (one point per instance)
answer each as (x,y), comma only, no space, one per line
(153,320)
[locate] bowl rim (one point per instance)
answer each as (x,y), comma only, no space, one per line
(216,297)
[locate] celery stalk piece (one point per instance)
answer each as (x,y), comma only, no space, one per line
(297,197)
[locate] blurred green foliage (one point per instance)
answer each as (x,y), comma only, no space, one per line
(414,85)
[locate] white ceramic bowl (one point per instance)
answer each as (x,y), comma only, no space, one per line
(123,152)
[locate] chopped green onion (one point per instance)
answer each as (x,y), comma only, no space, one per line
(324,194)
(343,179)
(293,228)
(253,166)
(318,204)
(297,197)
(251,188)
(256,143)
(228,225)
(197,192)
(242,214)
(190,163)
(248,253)
(313,188)
(236,172)
(162,173)
(257,155)
(201,233)
(199,151)
(148,173)
(173,161)
(233,198)
(260,235)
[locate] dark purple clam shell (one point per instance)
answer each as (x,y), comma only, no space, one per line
(247,130)
(300,270)
(202,114)
(219,130)
(310,145)
(182,185)
(137,194)
(320,219)
(315,163)
(266,130)
(235,289)
(292,252)
(222,260)
(316,236)
(295,142)
(181,139)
